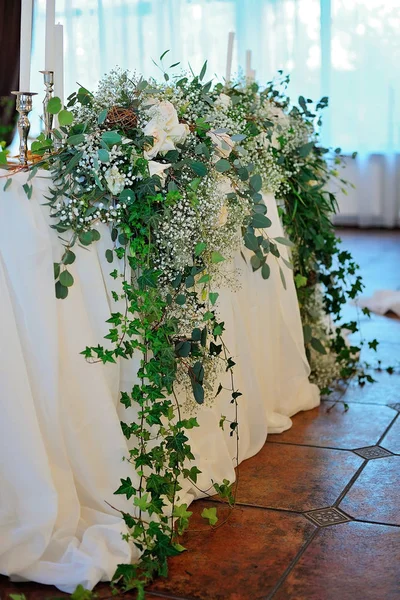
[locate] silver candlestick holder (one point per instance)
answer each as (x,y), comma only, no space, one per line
(24,107)
(48,77)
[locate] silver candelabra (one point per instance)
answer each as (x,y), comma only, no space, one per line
(24,107)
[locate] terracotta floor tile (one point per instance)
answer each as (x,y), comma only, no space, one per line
(295,477)
(361,425)
(242,560)
(386,390)
(391,441)
(32,591)
(353,561)
(375,494)
(37,591)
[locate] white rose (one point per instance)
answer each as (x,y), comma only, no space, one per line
(115,180)
(164,112)
(161,141)
(179,133)
(156,168)
(223,101)
(222,142)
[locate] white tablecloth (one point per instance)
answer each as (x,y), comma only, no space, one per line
(61,445)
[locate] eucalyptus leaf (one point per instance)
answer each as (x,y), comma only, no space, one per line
(66,278)
(223,165)
(54,105)
(61,291)
(65,117)
(260,221)
(265,271)
(317,345)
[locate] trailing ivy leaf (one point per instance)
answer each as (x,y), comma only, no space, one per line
(65,117)
(284,241)
(216,257)
(213,297)
(300,281)
(82,594)
(126,488)
(61,291)
(7,184)
(282,277)
(223,165)
(199,248)
(204,278)
(260,221)
(317,345)
(265,271)
(66,278)
(54,105)
(210,515)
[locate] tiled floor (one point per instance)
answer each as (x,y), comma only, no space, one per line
(318,515)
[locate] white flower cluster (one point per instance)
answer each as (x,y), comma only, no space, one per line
(80,216)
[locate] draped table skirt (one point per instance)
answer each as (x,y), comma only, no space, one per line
(61,444)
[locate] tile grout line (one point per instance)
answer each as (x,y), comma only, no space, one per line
(292,564)
(389,427)
(259,506)
(309,446)
(350,484)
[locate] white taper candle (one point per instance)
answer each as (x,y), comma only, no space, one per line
(248,64)
(49,53)
(59,62)
(25,46)
(229,56)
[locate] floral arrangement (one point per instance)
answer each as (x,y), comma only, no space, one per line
(177,170)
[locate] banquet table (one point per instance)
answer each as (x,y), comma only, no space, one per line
(61,444)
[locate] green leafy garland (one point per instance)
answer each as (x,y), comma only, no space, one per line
(246,140)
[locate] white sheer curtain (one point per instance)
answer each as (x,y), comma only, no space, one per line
(348,50)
